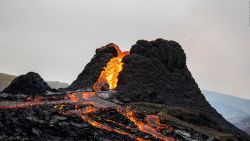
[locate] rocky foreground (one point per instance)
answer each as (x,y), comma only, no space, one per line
(49,122)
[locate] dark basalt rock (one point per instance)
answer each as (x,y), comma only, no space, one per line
(168,53)
(156,72)
(46,123)
(30,84)
(93,69)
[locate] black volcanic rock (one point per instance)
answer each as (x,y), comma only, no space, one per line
(156,72)
(168,53)
(93,69)
(30,84)
(46,123)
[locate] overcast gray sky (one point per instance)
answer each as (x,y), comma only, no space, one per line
(56,38)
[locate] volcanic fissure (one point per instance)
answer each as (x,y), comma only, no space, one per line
(107,80)
(147,93)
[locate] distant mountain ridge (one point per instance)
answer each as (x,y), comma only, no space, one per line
(235,102)
(234,109)
(5,80)
(57,84)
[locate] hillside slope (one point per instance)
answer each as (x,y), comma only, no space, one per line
(234,109)
(5,80)
(226,104)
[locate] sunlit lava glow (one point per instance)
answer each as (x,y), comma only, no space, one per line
(30,102)
(110,72)
(86,103)
(73,98)
(143,127)
(96,124)
(154,122)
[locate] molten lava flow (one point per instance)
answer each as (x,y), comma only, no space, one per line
(109,74)
(154,122)
(86,103)
(13,105)
(143,127)
(73,98)
(96,124)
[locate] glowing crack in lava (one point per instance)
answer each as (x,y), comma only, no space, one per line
(90,103)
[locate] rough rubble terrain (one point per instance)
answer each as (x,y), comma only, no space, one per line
(156,71)
(45,122)
(31,84)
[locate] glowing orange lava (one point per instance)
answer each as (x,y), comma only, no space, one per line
(73,98)
(154,122)
(96,124)
(109,78)
(144,127)
(109,74)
